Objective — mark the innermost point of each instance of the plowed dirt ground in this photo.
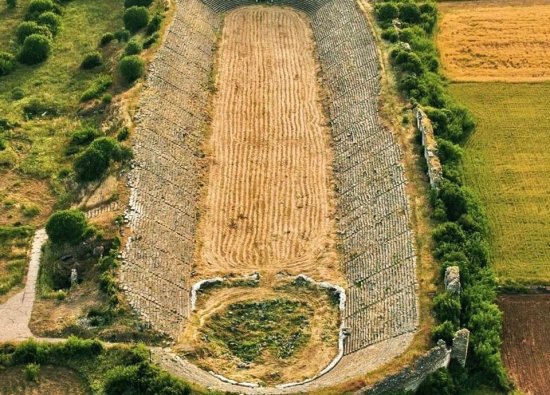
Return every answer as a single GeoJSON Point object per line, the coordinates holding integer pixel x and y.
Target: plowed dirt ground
{"type": "Point", "coordinates": [494, 40]}
{"type": "Point", "coordinates": [269, 205]}
{"type": "Point", "coordinates": [526, 349]}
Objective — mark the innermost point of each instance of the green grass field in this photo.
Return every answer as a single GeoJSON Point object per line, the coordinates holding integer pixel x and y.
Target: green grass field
{"type": "Point", "coordinates": [507, 165]}
{"type": "Point", "coordinates": [33, 150]}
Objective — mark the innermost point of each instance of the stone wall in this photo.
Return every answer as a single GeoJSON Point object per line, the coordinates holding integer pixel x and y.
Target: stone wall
{"type": "Point", "coordinates": [435, 172]}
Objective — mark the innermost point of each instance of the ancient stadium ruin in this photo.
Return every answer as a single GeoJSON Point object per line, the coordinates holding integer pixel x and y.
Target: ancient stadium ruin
{"type": "Point", "coordinates": [170, 248]}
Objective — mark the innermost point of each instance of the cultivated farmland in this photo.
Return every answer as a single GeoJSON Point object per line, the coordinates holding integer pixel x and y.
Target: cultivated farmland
{"type": "Point", "coordinates": [507, 164]}
{"type": "Point", "coordinates": [495, 40]}
{"type": "Point", "coordinates": [526, 348]}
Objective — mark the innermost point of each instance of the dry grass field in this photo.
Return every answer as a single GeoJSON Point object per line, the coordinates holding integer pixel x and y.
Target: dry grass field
{"type": "Point", "coordinates": [493, 40]}
{"type": "Point", "coordinates": [51, 381]}
{"type": "Point", "coordinates": [269, 205]}
{"type": "Point", "coordinates": [507, 164]}
{"type": "Point", "coordinates": [526, 349]}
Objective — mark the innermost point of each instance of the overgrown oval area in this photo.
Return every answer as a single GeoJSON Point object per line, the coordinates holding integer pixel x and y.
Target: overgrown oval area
{"type": "Point", "coordinates": [269, 335]}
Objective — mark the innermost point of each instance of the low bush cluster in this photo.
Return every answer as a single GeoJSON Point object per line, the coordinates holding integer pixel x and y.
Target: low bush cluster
{"type": "Point", "coordinates": [7, 63]}
{"type": "Point", "coordinates": [93, 163]}
{"type": "Point", "coordinates": [91, 60]}
{"type": "Point", "coordinates": [131, 68]}
{"type": "Point", "coordinates": [97, 88]}
{"type": "Point", "coordinates": [461, 237]}
{"type": "Point", "coordinates": [114, 371]}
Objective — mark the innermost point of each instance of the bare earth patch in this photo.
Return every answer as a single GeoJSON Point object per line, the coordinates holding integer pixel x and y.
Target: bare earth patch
{"type": "Point", "coordinates": [526, 349]}
{"type": "Point", "coordinates": [495, 40]}
{"type": "Point", "coordinates": [51, 380]}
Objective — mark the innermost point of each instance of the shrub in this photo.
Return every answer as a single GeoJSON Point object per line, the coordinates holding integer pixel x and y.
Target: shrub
{"type": "Point", "coordinates": [391, 34]}
{"type": "Point", "coordinates": [25, 29]}
{"type": "Point", "coordinates": [135, 18]}
{"type": "Point", "coordinates": [123, 134]}
{"type": "Point", "coordinates": [139, 3]}
{"type": "Point", "coordinates": [36, 49]}
{"type": "Point", "coordinates": [150, 40]}
{"type": "Point", "coordinates": [439, 382]}
{"type": "Point", "coordinates": [133, 48]}
{"type": "Point", "coordinates": [445, 331]}
{"type": "Point", "coordinates": [37, 107]}
{"type": "Point", "coordinates": [7, 63]}
{"type": "Point", "coordinates": [84, 136]}
{"type": "Point", "coordinates": [17, 93]}
{"type": "Point", "coordinates": [106, 145]}
{"type": "Point", "coordinates": [447, 308]}
{"type": "Point", "coordinates": [106, 39]}
{"type": "Point", "coordinates": [154, 24]}
{"type": "Point", "coordinates": [91, 165]}
{"type": "Point", "coordinates": [98, 87]}
{"type": "Point", "coordinates": [51, 21]}
{"type": "Point", "coordinates": [409, 12]}
{"type": "Point", "coordinates": [37, 7]}
{"type": "Point", "coordinates": [387, 12]}
{"type": "Point", "coordinates": [66, 226]}
{"type": "Point", "coordinates": [122, 35]}
{"type": "Point", "coordinates": [107, 98]}
{"type": "Point", "coordinates": [449, 232]}
{"type": "Point", "coordinates": [11, 3]}
{"type": "Point", "coordinates": [91, 60]}
{"type": "Point", "coordinates": [131, 68]}
{"type": "Point", "coordinates": [32, 371]}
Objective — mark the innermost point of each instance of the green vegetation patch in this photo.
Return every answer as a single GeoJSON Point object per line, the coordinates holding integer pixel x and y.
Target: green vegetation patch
{"type": "Point", "coordinates": [507, 165]}
{"type": "Point", "coordinates": [279, 327]}
{"type": "Point", "coordinates": [14, 242]}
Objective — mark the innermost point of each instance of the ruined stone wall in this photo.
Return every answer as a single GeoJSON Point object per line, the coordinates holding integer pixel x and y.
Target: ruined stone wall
{"type": "Point", "coordinates": [165, 178]}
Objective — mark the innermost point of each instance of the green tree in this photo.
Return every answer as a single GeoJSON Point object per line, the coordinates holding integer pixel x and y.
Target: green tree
{"type": "Point", "coordinates": [66, 226]}
{"type": "Point", "coordinates": [91, 165]}
{"type": "Point", "coordinates": [135, 18]}
{"type": "Point", "coordinates": [131, 67]}
{"type": "Point", "coordinates": [36, 49]}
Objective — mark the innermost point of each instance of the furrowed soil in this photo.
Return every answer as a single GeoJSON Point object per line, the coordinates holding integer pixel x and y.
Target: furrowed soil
{"type": "Point", "coordinates": [269, 205]}
{"type": "Point", "coordinates": [507, 165]}
{"type": "Point", "coordinates": [526, 349]}
{"type": "Point", "coordinates": [495, 40]}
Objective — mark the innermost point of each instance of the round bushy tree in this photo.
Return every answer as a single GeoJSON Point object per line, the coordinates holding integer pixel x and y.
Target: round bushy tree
{"type": "Point", "coordinates": [37, 7]}
{"type": "Point", "coordinates": [136, 18]}
{"type": "Point", "coordinates": [387, 12]}
{"type": "Point", "coordinates": [133, 47]}
{"type": "Point", "coordinates": [66, 226]}
{"type": "Point", "coordinates": [91, 165]}
{"type": "Point", "coordinates": [7, 63]}
{"type": "Point", "coordinates": [106, 39]}
{"type": "Point", "coordinates": [36, 49]}
{"type": "Point", "coordinates": [25, 29]}
{"type": "Point", "coordinates": [140, 3]}
{"type": "Point", "coordinates": [131, 67]}
{"type": "Point", "coordinates": [91, 60]}
{"type": "Point", "coordinates": [11, 3]}
{"type": "Point", "coordinates": [51, 21]}
{"type": "Point", "coordinates": [409, 12]}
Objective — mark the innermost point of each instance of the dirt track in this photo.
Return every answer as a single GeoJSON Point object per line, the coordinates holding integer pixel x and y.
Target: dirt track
{"type": "Point", "coordinates": [526, 349]}
{"type": "Point", "coordinates": [269, 205]}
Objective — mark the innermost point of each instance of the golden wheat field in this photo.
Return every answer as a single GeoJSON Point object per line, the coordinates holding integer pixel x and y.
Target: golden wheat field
{"type": "Point", "coordinates": [495, 40]}
{"type": "Point", "coordinates": [507, 164]}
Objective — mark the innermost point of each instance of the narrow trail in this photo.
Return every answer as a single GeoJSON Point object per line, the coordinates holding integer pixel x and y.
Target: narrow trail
{"type": "Point", "coordinates": [15, 313]}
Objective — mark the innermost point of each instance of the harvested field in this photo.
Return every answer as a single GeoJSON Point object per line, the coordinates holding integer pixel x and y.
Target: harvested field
{"type": "Point", "coordinates": [493, 40]}
{"type": "Point", "coordinates": [526, 349]}
{"type": "Point", "coordinates": [507, 164]}
{"type": "Point", "coordinates": [269, 206]}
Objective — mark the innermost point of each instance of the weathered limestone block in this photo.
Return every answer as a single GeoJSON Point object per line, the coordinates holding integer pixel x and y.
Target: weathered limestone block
{"type": "Point", "coordinates": [452, 280]}
{"type": "Point", "coordinates": [460, 346]}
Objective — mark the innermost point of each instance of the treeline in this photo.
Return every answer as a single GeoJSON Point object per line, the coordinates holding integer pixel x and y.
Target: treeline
{"type": "Point", "coordinates": [117, 370]}
{"type": "Point", "coordinates": [460, 238]}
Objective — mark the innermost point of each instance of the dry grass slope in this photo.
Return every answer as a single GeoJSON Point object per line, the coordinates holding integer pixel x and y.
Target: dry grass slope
{"type": "Point", "coordinates": [269, 206]}
{"type": "Point", "coordinates": [507, 164]}
{"type": "Point", "coordinates": [494, 40]}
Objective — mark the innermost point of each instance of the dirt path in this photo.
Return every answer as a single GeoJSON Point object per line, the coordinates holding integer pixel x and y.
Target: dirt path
{"type": "Point", "coordinates": [16, 312]}
{"type": "Point", "coordinates": [269, 205]}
